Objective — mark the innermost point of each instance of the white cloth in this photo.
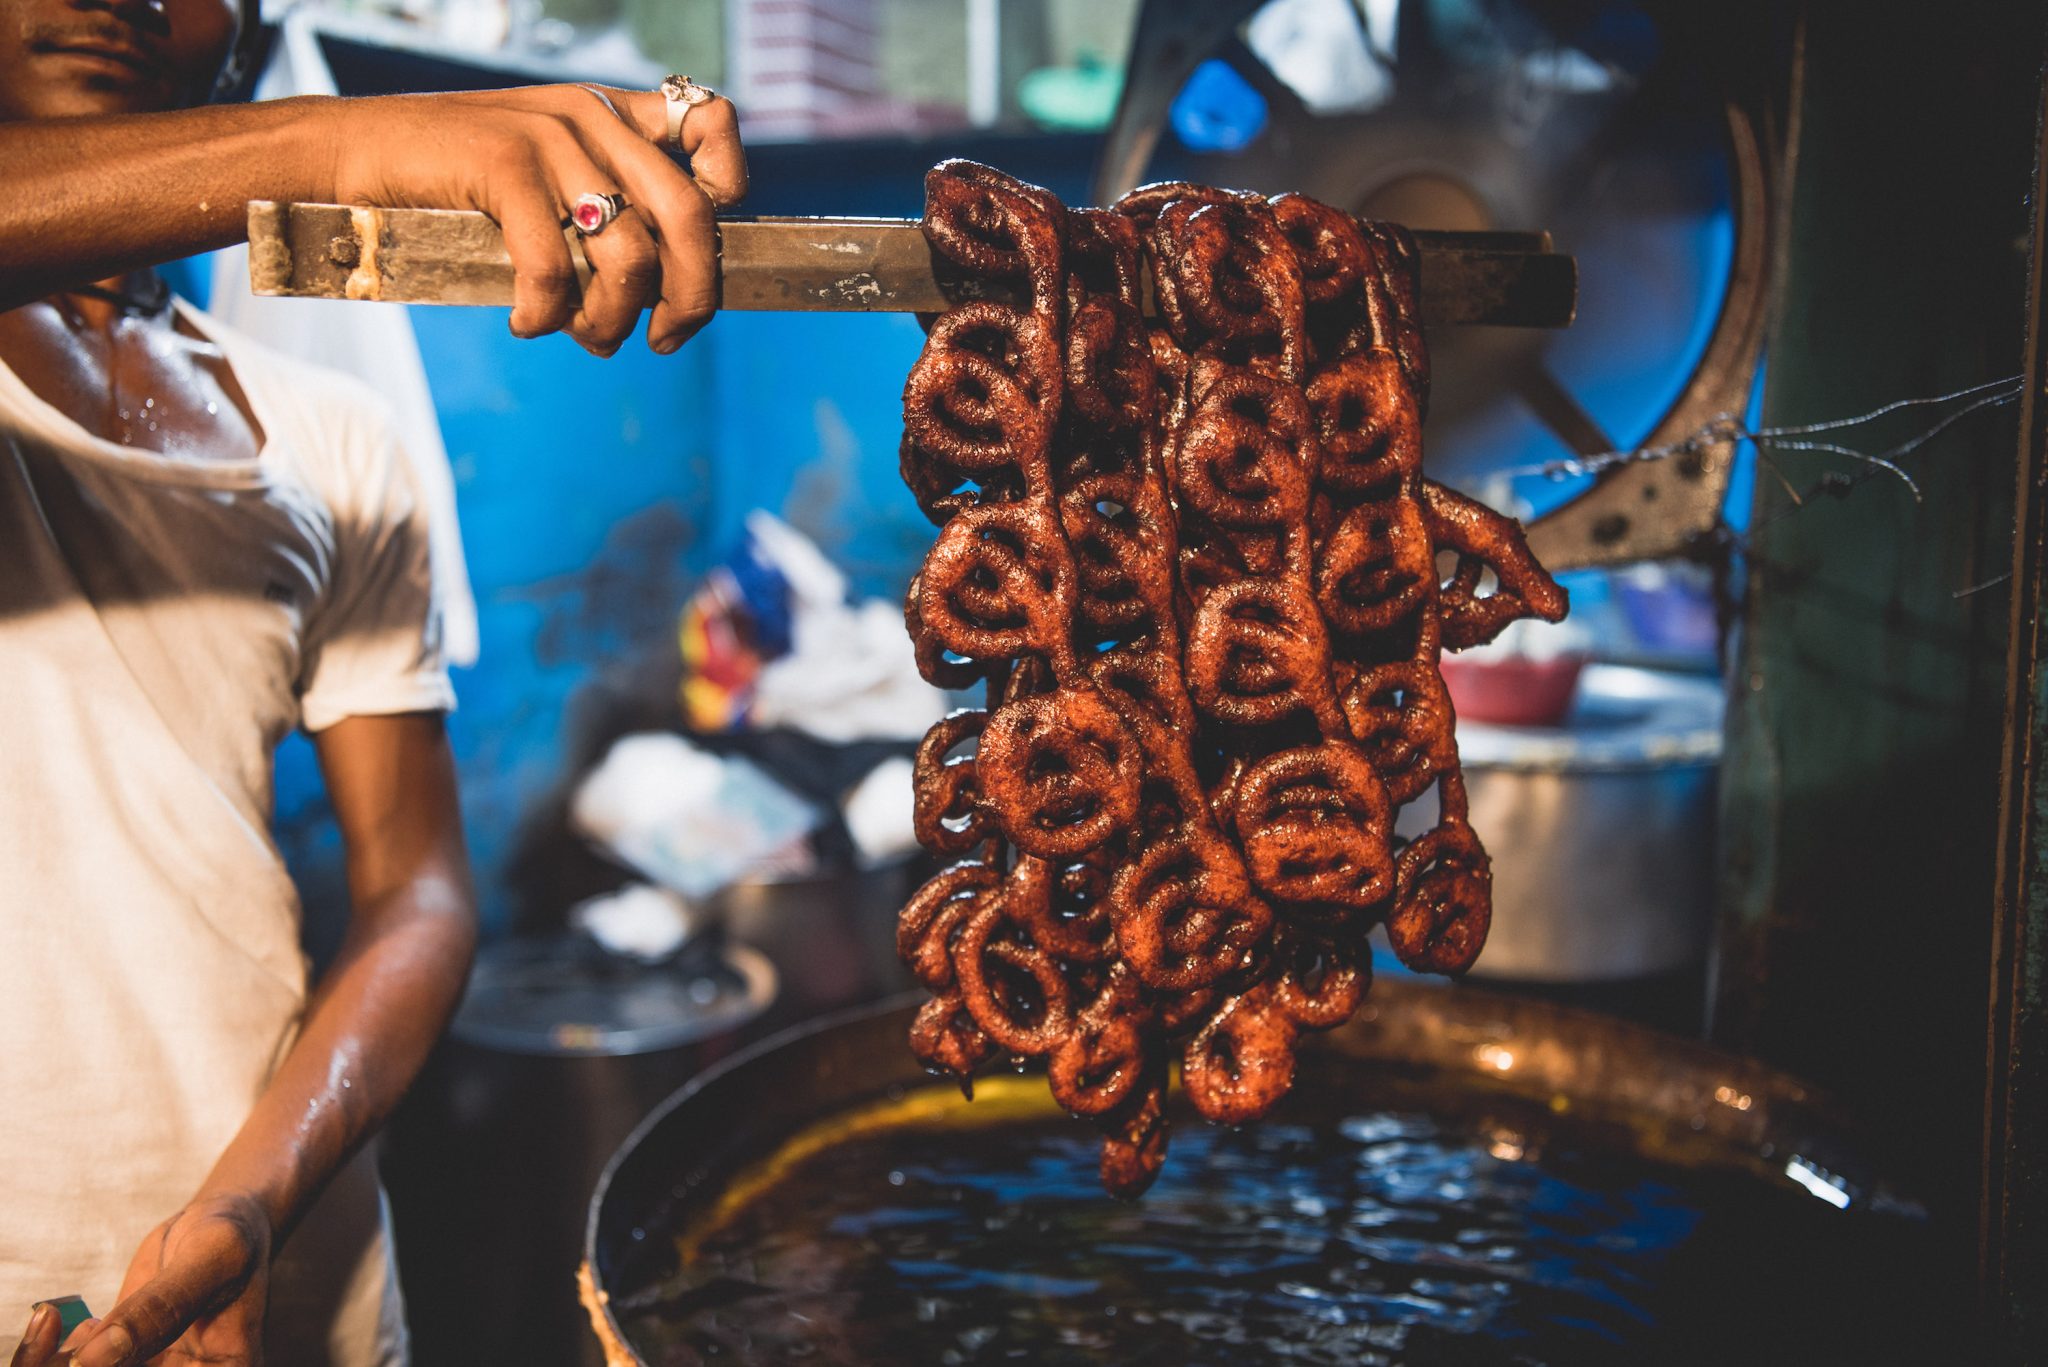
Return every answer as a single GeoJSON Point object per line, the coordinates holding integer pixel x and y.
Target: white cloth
{"type": "Point", "coordinates": [373, 342]}
{"type": "Point", "coordinates": [163, 624]}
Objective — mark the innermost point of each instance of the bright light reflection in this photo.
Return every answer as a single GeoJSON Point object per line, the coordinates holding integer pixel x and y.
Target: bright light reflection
{"type": "Point", "coordinates": [1494, 1056]}
{"type": "Point", "coordinates": [1821, 1185]}
{"type": "Point", "coordinates": [1321, 50]}
{"type": "Point", "coordinates": [1728, 1096]}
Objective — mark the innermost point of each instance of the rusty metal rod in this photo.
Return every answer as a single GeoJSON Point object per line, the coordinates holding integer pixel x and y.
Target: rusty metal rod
{"type": "Point", "coordinates": [846, 265]}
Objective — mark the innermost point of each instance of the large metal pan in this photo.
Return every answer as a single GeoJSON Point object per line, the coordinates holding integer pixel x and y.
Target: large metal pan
{"type": "Point", "coordinates": [1688, 1104]}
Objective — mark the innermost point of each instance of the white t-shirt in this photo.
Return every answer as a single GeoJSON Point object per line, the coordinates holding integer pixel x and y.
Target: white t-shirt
{"type": "Point", "coordinates": [163, 625]}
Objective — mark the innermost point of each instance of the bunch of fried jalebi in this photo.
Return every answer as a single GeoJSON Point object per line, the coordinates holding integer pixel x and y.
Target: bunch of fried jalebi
{"type": "Point", "coordinates": [1195, 564]}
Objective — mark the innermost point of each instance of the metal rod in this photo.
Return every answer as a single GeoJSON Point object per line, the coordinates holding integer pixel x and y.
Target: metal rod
{"type": "Point", "coordinates": [443, 256]}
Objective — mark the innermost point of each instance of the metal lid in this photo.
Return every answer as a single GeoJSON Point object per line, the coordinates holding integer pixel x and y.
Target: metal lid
{"type": "Point", "coordinates": [562, 995]}
{"type": "Point", "coordinates": [1622, 717]}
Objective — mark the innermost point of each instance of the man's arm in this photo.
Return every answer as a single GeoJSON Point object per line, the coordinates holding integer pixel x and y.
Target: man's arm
{"type": "Point", "coordinates": [390, 991]}
{"type": "Point", "coordinates": [368, 1029]}
{"type": "Point", "coordinates": [83, 199]}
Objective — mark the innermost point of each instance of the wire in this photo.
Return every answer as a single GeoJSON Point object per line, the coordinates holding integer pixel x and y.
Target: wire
{"type": "Point", "coordinates": [1725, 429]}
{"type": "Point", "coordinates": [2007, 383]}
{"type": "Point", "coordinates": [1996, 395]}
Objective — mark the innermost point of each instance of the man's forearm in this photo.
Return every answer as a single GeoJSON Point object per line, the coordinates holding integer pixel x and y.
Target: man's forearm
{"type": "Point", "coordinates": [84, 199]}
{"type": "Point", "coordinates": [87, 198]}
{"type": "Point", "coordinates": [368, 1030]}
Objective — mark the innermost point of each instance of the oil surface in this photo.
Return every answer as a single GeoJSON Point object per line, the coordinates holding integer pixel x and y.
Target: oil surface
{"type": "Point", "coordinates": [1331, 1233]}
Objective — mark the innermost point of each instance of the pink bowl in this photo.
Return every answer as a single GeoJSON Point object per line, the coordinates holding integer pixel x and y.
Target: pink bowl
{"type": "Point", "coordinates": [1512, 691]}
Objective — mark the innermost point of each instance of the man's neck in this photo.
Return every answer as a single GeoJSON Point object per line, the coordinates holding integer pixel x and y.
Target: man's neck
{"type": "Point", "coordinates": [138, 294]}
{"type": "Point", "coordinates": [136, 376]}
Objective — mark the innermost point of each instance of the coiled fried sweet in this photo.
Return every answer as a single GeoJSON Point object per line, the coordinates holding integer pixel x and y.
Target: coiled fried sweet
{"type": "Point", "coordinates": [1059, 772]}
{"type": "Point", "coordinates": [1195, 563]}
{"type": "Point", "coordinates": [1317, 826]}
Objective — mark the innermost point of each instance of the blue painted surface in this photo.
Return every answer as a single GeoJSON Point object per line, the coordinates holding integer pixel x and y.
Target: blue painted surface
{"type": "Point", "coordinates": [1217, 110]}
{"type": "Point", "coordinates": [585, 487]}
{"type": "Point", "coordinates": [1672, 267]}
{"type": "Point", "coordinates": [808, 411]}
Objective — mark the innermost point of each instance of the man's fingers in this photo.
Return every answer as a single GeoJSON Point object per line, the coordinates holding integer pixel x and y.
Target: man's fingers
{"type": "Point", "coordinates": [689, 285]}
{"type": "Point", "coordinates": [39, 1341]}
{"type": "Point", "coordinates": [112, 1344]}
{"type": "Point", "coordinates": [137, 1329]}
{"type": "Point", "coordinates": [625, 268]}
{"type": "Point", "coordinates": [670, 206]}
{"type": "Point", "coordinates": [545, 292]}
{"type": "Point", "coordinates": [680, 217]}
{"type": "Point", "coordinates": [710, 138]}
{"type": "Point", "coordinates": [575, 145]}
{"type": "Point", "coordinates": [688, 238]}
{"type": "Point", "coordinates": [621, 254]}
{"type": "Point", "coordinates": [571, 161]}
{"type": "Point", "coordinates": [152, 1318]}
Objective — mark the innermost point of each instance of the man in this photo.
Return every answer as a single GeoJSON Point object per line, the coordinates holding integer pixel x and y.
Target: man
{"type": "Point", "coordinates": [201, 547]}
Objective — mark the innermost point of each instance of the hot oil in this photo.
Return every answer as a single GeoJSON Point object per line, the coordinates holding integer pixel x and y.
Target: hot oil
{"type": "Point", "coordinates": [926, 1230]}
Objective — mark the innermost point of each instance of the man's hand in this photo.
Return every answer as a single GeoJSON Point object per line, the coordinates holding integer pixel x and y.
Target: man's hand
{"type": "Point", "coordinates": [194, 1293]}
{"type": "Point", "coordinates": [524, 157]}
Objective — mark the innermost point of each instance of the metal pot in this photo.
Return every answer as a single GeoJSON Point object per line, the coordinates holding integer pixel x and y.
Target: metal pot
{"type": "Point", "coordinates": [1601, 829]}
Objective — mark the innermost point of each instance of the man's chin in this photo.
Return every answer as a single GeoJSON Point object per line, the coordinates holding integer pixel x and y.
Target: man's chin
{"type": "Point", "coordinates": [73, 84]}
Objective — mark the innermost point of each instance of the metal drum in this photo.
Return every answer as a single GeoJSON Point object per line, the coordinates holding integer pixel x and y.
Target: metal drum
{"type": "Point", "coordinates": [1601, 829]}
{"type": "Point", "coordinates": [558, 1050]}
{"type": "Point", "coordinates": [831, 937]}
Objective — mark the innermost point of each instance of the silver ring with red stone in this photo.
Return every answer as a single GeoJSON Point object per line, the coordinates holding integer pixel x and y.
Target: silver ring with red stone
{"type": "Point", "coordinates": [593, 213]}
